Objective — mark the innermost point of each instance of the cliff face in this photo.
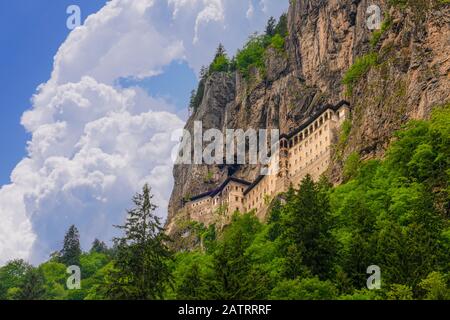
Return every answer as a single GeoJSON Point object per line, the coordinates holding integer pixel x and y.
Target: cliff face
{"type": "Point", "coordinates": [326, 37]}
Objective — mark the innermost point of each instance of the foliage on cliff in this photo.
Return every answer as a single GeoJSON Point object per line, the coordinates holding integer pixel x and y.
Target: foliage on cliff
{"type": "Point", "coordinates": [252, 55]}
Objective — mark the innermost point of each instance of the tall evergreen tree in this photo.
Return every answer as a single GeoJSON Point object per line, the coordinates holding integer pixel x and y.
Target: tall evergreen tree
{"type": "Point", "coordinates": [71, 252]}
{"type": "Point", "coordinates": [282, 26]}
{"type": "Point", "coordinates": [33, 285]}
{"type": "Point", "coordinates": [361, 251]}
{"type": "Point", "coordinates": [270, 27]}
{"type": "Point", "coordinates": [308, 226]}
{"type": "Point", "coordinates": [220, 51]}
{"type": "Point", "coordinates": [192, 101]}
{"type": "Point", "coordinates": [192, 286]}
{"type": "Point", "coordinates": [236, 279]}
{"type": "Point", "coordinates": [141, 266]}
{"type": "Point", "coordinates": [99, 247]}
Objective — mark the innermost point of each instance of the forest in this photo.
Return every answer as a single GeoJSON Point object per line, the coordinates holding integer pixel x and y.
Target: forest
{"type": "Point", "coordinates": [317, 243]}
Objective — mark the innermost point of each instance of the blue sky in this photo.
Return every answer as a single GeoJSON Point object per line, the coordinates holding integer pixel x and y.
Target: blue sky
{"type": "Point", "coordinates": [31, 32]}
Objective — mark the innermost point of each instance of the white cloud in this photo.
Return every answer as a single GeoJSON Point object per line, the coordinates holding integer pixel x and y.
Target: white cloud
{"type": "Point", "coordinates": [90, 151]}
{"type": "Point", "coordinates": [93, 144]}
{"type": "Point", "coordinates": [250, 11]}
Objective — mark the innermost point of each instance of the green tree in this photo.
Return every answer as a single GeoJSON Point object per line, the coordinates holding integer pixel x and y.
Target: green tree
{"type": "Point", "coordinates": [221, 62]}
{"type": "Point", "coordinates": [236, 279]}
{"type": "Point", "coordinates": [308, 224]}
{"type": "Point", "coordinates": [271, 27]}
{"type": "Point", "coordinates": [92, 262]}
{"type": "Point", "coordinates": [360, 250]}
{"type": "Point", "coordinates": [55, 276]}
{"type": "Point", "coordinates": [400, 292]}
{"type": "Point", "coordinates": [33, 285]}
{"type": "Point", "coordinates": [193, 286]}
{"type": "Point", "coordinates": [282, 26]}
{"type": "Point", "coordinates": [252, 55]}
{"type": "Point", "coordinates": [12, 276]}
{"type": "Point", "coordinates": [141, 266]}
{"type": "Point", "coordinates": [99, 247]}
{"type": "Point", "coordinates": [435, 286]}
{"type": "Point", "coordinates": [70, 254]}
{"type": "Point", "coordinates": [305, 289]}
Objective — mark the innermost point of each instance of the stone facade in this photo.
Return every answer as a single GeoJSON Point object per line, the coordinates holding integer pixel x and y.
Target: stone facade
{"type": "Point", "coordinates": [306, 150]}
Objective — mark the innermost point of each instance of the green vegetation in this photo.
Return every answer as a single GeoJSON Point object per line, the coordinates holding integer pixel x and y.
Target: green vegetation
{"type": "Point", "coordinates": [221, 63]}
{"type": "Point", "coordinates": [316, 244]}
{"type": "Point", "coordinates": [359, 69]}
{"type": "Point", "coordinates": [416, 3]}
{"type": "Point", "coordinates": [140, 268]}
{"type": "Point", "coordinates": [208, 177]}
{"type": "Point", "coordinates": [250, 57]}
{"type": "Point", "coordinates": [351, 166]}
{"type": "Point", "coordinates": [344, 135]}
{"type": "Point", "coordinates": [377, 34]}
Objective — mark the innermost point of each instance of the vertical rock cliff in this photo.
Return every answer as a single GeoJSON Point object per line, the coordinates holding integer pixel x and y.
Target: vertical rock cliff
{"type": "Point", "coordinates": [406, 76]}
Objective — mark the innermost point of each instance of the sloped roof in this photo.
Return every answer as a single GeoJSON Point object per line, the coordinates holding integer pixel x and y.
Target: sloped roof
{"type": "Point", "coordinates": [219, 189]}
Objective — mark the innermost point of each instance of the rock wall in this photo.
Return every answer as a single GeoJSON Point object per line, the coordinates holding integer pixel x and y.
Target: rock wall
{"type": "Point", "coordinates": [326, 37]}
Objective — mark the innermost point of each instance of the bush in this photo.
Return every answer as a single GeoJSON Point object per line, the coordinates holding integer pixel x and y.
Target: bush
{"type": "Point", "coordinates": [400, 292]}
{"type": "Point", "coordinates": [277, 42]}
{"type": "Point", "coordinates": [252, 55]}
{"type": "Point", "coordinates": [306, 289]}
{"type": "Point", "coordinates": [376, 35]}
{"type": "Point", "coordinates": [435, 286]}
{"type": "Point", "coordinates": [360, 68]}
{"type": "Point", "coordinates": [351, 166]}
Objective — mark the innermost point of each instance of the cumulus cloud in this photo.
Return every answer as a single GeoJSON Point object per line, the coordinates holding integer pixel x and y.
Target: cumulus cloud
{"type": "Point", "coordinates": [91, 149]}
{"type": "Point", "coordinates": [93, 144]}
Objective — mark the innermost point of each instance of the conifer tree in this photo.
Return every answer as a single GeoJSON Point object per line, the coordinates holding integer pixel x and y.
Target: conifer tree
{"type": "Point", "coordinates": [192, 286]}
{"type": "Point", "coordinates": [308, 226]}
{"type": "Point", "coordinates": [282, 26]}
{"type": "Point", "coordinates": [220, 51]}
{"type": "Point", "coordinates": [99, 247]}
{"type": "Point", "coordinates": [270, 27]}
{"type": "Point", "coordinates": [33, 285]}
{"type": "Point", "coordinates": [141, 269]}
{"type": "Point", "coordinates": [192, 101]}
{"type": "Point", "coordinates": [236, 279]}
{"type": "Point", "coordinates": [70, 254]}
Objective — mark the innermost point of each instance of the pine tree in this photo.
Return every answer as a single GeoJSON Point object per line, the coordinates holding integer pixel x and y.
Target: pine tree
{"type": "Point", "coordinates": [220, 51]}
{"type": "Point", "coordinates": [203, 73]}
{"type": "Point", "coordinates": [282, 26]}
{"type": "Point", "coordinates": [71, 252]}
{"type": "Point", "coordinates": [308, 226]}
{"type": "Point", "coordinates": [360, 253]}
{"type": "Point", "coordinates": [221, 62]}
{"type": "Point", "coordinates": [141, 269]}
{"type": "Point", "coordinates": [270, 28]}
{"type": "Point", "coordinates": [236, 278]}
{"type": "Point", "coordinates": [192, 287]}
{"type": "Point", "coordinates": [99, 247]}
{"type": "Point", "coordinates": [33, 286]}
{"type": "Point", "coordinates": [193, 102]}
